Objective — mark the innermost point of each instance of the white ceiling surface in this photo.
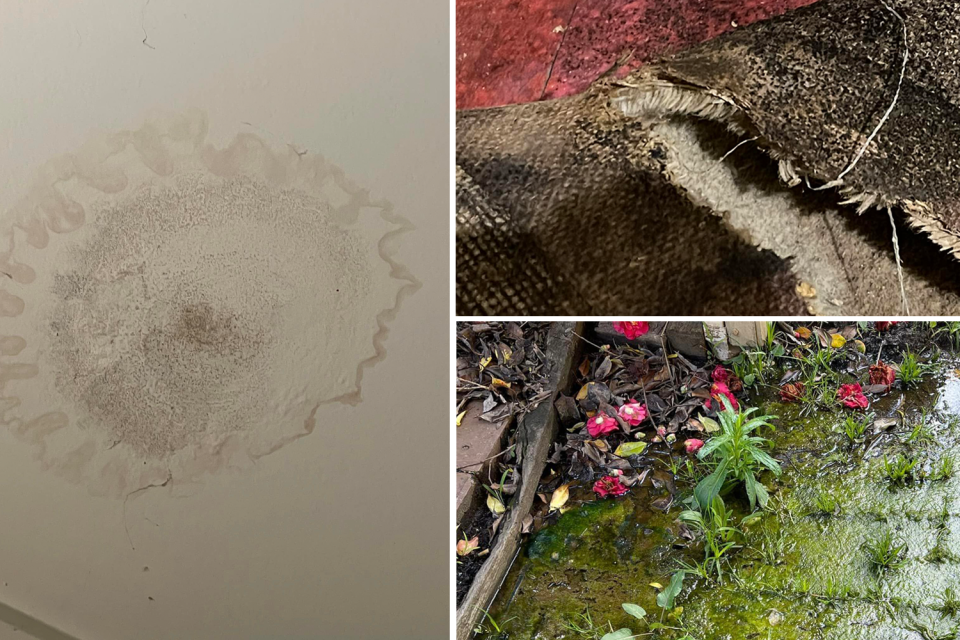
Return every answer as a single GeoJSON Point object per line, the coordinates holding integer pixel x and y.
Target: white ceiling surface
{"type": "Point", "coordinates": [321, 539]}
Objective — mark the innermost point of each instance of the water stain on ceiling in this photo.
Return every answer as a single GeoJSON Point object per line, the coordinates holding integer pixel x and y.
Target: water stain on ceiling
{"type": "Point", "coordinates": [170, 308]}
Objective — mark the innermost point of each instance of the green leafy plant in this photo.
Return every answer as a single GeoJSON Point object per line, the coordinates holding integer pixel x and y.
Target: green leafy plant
{"type": "Point", "coordinates": [666, 598]}
{"type": "Point", "coordinates": [740, 457]}
{"type": "Point", "coordinates": [634, 610]}
{"type": "Point", "coordinates": [886, 553]}
{"type": "Point", "coordinates": [750, 366]}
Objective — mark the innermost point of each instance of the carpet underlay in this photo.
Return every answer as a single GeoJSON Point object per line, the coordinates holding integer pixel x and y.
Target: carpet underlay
{"type": "Point", "coordinates": [694, 186]}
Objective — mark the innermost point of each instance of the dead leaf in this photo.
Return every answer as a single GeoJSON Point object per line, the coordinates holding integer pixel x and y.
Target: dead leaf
{"type": "Point", "coordinates": [885, 423]}
{"type": "Point", "coordinates": [466, 547]}
{"type": "Point", "coordinates": [497, 382]}
{"type": "Point", "coordinates": [526, 524]}
{"type": "Point", "coordinates": [709, 424]}
{"type": "Point", "coordinates": [560, 496]}
{"type": "Point", "coordinates": [604, 369]}
{"type": "Point", "coordinates": [837, 341]}
{"type": "Point", "coordinates": [496, 507]}
{"type": "Point", "coordinates": [628, 449]}
{"type": "Point", "coordinates": [600, 444]}
{"type": "Point", "coordinates": [460, 417]}
{"type": "Point", "coordinates": [656, 585]}
{"type": "Point", "coordinates": [485, 361]}
{"type": "Point", "coordinates": [584, 368]}
{"type": "Point", "coordinates": [806, 290]}
{"type": "Point", "coordinates": [803, 332]}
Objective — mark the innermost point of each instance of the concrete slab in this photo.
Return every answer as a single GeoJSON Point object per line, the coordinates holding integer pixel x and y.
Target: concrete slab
{"type": "Point", "coordinates": [686, 337]}
{"type": "Point", "coordinates": [478, 441]}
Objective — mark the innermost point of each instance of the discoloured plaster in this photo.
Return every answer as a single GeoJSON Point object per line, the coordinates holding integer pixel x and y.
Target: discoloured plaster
{"type": "Point", "coordinates": [174, 309]}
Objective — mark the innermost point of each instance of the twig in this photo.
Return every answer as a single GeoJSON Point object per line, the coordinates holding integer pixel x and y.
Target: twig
{"type": "Point", "coordinates": [595, 346]}
{"type": "Point", "coordinates": [507, 450]}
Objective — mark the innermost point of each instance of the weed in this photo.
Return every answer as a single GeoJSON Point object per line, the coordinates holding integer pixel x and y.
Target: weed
{"type": "Point", "coordinates": [836, 590]}
{"type": "Point", "coordinates": [719, 537]}
{"type": "Point", "coordinates": [584, 626]}
{"type": "Point", "coordinates": [740, 456]}
{"type": "Point", "coordinates": [497, 627]}
{"type": "Point", "coordinates": [885, 553]}
{"type": "Point", "coordinates": [921, 434]}
{"type": "Point", "coordinates": [952, 330]}
{"type": "Point", "coordinates": [943, 469]}
{"type": "Point", "coordinates": [827, 505]}
{"type": "Point", "coordinates": [750, 366]}
{"type": "Point", "coordinates": [911, 371]}
{"type": "Point", "coordinates": [939, 554]}
{"type": "Point", "coordinates": [772, 547]}
{"type": "Point", "coordinates": [855, 427]}
{"type": "Point", "coordinates": [900, 469]}
{"type": "Point", "coordinates": [949, 603]}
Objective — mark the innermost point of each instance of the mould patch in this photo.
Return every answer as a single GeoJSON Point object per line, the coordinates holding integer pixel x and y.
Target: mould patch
{"type": "Point", "coordinates": [172, 308]}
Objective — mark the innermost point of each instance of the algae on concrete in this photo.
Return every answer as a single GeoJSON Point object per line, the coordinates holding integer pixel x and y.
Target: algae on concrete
{"type": "Point", "coordinates": [804, 572]}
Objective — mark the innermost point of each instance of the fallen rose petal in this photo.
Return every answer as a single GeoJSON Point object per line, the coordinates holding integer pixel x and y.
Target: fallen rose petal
{"type": "Point", "coordinates": [601, 424]}
{"type": "Point", "coordinates": [882, 374]}
{"type": "Point", "coordinates": [631, 330]}
{"type": "Point", "coordinates": [851, 395]}
{"type": "Point", "coordinates": [609, 486]}
{"type": "Point", "coordinates": [693, 445]}
{"type": "Point", "coordinates": [633, 413]}
{"type": "Point", "coordinates": [466, 547]}
{"type": "Point", "coordinates": [720, 374]}
{"type": "Point", "coordinates": [792, 391]}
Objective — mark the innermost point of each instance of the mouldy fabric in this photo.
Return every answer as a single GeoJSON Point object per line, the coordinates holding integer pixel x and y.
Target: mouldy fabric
{"type": "Point", "coordinates": [693, 186]}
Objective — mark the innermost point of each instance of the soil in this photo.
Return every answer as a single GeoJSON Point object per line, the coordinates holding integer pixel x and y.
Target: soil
{"type": "Point", "coordinates": [480, 525]}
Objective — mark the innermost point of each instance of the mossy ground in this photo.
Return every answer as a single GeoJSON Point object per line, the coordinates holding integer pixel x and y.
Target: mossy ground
{"type": "Point", "coordinates": [802, 574]}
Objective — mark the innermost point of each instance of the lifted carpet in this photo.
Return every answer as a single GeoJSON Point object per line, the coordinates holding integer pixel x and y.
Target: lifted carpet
{"type": "Point", "coordinates": [626, 199]}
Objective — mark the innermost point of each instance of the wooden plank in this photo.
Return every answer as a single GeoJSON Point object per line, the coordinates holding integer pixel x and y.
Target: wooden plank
{"type": "Point", "coordinates": [540, 430]}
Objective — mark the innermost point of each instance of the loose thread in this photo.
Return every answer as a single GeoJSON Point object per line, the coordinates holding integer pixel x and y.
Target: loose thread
{"type": "Point", "coordinates": [886, 116]}
{"type": "Point", "coordinates": [896, 254]}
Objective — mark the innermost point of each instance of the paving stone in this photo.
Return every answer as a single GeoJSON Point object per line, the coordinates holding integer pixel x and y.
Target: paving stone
{"type": "Point", "coordinates": [477, 442]}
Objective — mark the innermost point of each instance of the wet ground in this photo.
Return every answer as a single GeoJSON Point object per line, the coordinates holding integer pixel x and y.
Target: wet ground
{"type": "Point", "coordinates": [804, 570]}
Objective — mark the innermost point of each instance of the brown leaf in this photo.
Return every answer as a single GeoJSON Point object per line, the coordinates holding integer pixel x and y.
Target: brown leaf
{"type": "Point", "coordinates": [604, 369]}
{"type": "Point", "coordinates": [560, 496]}
{"type": "Point", "coordinates": [584, 368]}
{"type": "Point", "coordinates": [806, 290]}
{"type": "Point", "coordinates": [526, 524]}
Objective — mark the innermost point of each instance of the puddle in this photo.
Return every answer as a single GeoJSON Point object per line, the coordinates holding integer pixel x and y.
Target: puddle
{"type": "Point", "coordinates": [802, 574]}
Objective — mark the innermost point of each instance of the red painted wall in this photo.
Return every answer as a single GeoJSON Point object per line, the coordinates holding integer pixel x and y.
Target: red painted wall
{"type": "Point", "coordinates": [511, 51]}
